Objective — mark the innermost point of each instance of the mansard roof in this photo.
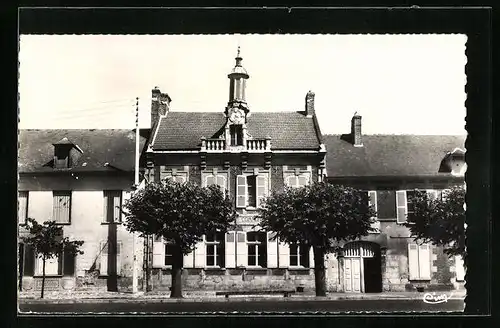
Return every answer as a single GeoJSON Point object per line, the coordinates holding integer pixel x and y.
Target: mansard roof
{"type": "Point", "coordinates": [101, 149]}
{"type": "Point", "coordinates": [287, 130]}
{"type": "Point", "coordinates": [390, 155]}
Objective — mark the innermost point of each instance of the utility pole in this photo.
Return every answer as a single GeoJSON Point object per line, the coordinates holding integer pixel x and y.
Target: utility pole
{"type": "Point", "coordinates": [136, 182]}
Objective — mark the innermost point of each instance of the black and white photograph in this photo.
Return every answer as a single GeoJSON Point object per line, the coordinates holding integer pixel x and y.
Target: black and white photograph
{"type": "Point", "coordinates": [242, 172]}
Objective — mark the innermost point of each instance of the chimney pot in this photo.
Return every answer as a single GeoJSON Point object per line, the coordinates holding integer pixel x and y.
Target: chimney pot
{"type": "Point", "coordinates": [160, 104]}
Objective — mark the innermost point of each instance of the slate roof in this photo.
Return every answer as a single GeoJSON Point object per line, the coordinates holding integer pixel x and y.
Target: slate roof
{"type": "Point", "coordinates": [389, 155]}
{"type": "Point", "coordinates": [99, 146]}
{"type": "Point", "coordinates": [287, 130]}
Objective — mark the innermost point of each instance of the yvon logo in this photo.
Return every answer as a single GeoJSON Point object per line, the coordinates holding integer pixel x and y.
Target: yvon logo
{"type": "Point", "coordinates": [436, 299]}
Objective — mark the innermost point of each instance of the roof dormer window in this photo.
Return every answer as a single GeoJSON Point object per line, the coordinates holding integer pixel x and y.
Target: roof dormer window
{"type": "Point", "coordinates": [236, 135]}
{"type": "Point", "coordinates": [61, 157]}
{"type": "Point", "coordinates": [65, 153]}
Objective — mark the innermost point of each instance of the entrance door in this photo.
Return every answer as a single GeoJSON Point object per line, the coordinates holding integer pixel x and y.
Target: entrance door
{"type": "Point", "coordinates": [352, 274]}
{"type": "Point", "coordinates": [372, 274]}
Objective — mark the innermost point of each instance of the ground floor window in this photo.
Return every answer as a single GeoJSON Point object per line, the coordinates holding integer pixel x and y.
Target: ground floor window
{"type": "Point", "coordinates": [299, 255]}
{"type": "Point", "coordinates": [31, 264]}
{"type": "Point", "coordinates": [256, 247]}
{"type": "Point", "coordinates": [215, 254]}
{"type": "Point", "coordinates": [419, 261]}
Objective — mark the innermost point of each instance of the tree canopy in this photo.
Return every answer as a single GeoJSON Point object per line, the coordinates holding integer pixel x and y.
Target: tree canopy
{"type": "Point", "coordinates": [441, 220]}
{"type": "Point", "coordinates": [180, 212]}
{"type": "Point", "coordinates": [319, 214]}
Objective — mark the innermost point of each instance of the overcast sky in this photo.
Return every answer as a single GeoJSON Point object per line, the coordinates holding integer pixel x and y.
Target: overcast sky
{"type": "Point", "coordinates": [410, 84]}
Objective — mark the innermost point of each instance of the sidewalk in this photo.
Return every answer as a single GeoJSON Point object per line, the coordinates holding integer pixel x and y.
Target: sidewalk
{"type": "Point", "coordinates": [201, 296]}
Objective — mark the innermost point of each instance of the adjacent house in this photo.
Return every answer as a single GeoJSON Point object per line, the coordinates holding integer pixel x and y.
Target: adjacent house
{"type": "Point", "coordinates": [80, 179]}
{"type": "Point", "coordinates": [391, 168]}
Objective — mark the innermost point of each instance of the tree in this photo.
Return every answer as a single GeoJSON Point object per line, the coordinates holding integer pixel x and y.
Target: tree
{"type": "Point", "coordinates": [48, 242]}
{"type": "Point", "coordinates": [320, 216]}
{"type": "Point", "coordinates": [181, 213]}
{"type": "Point", "coordinates": [441, 220]}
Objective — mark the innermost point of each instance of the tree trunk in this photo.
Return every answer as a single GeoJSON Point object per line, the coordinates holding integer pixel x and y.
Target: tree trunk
{"type": "Point", "coordinates": [43, 275]}
{"type": "Point", "coordinates": [176, 288]}
{"type": "Point", "coordinates": [319, 271]}
{"type": "Point", "coordinates": [149, 265]}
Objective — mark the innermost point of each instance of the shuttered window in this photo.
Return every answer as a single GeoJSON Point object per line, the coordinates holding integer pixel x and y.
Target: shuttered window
{"type": "Point", "coordinates": [112, 206]}
{"type": "Point", "coordinates": [386, 204]}
{"type": "Point", "coordinates": [23, 206]}
{"type": "Point", "coordinates": [241, 191]}
{"type": "Point", "coordinates": [215, 254]}
{"type": "Point", "coordinates": [299, 255]}
{"type": "Point", "coordinates": [251, 190]}
{"type": "Point", "coordinates": [256, 249]}
{"type": "Point", "coordinates": [29, 261]}
{"type": "Point", "coordinates": [419, 261]}
{"type": "Point", "coordinates": [62, 206]}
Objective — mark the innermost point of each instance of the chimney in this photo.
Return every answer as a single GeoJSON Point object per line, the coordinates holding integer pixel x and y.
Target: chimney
{"type": "Point", "coordinates": [356, 130]}
{"type": "Point", "coordinates": [160, 104]}
{"type": "Point", "coordinates": [310, 104]}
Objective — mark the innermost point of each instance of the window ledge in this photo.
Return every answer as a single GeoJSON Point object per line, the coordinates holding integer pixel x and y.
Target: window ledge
{"type": "Point", "coordinates": [63, 223]}
{"type": "Point", "coordinates": [255, 269]}
{"type": "Point", "coordinates": [48, 276]}
{"type": "Point", "coordinates": [298, 268]}
{"type": "Point", "coordinates": [108, 223]}
{"type": "Point", "coordinates": [214, 269]}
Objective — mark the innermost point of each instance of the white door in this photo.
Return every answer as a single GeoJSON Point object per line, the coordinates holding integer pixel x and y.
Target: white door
{"type": "Point", "coordinates": [352, 274]}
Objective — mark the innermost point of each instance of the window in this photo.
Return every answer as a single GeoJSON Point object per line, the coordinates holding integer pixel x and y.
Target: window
{"type": "Point", "coordinates": [28, 260]}
{"type": "Point", "coordinates": [62, 206]}
{"type": "Point", "coordinates": [52, 267]}
{"type": "Point", "coordinates": [410, 204]}
{"type": "Point", "coordinates": [299, 255]}
{"type": "Point", "coordinates": [297, 181]}
{"type": "Point", "coordinates": [215, 179]}
{"type": "Point", "coordinates": [236, 135]}
{"type": "Point", "coordinates": [372, 201]}
{"type": "Point", "coordinates": [169, 255]}
{"type": "Point", "coordinates": [61, 157]}
{"type": "Point", "coordinates": [256, 248]}
{"type": "Point", "coordinates": [419, 261]}
{"type": "Point", "coordinates": [215, 255]}
{"type": "Point", "coordinates": [250, 190]}
{"type": "Point", "coordinates": [459, 268]}
{"type": "Point", "coordinates": [386, 204]}
{"type": "Point", "coordinates": [112, 206]}
{"type": "Point", "coordinates": [23, 206]}
{"type": "Point", "coordinates": [177, 174]}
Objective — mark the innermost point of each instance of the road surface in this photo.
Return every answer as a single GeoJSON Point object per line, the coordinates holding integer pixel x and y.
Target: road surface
{"type": "Point", "coordinates": [393, 305]}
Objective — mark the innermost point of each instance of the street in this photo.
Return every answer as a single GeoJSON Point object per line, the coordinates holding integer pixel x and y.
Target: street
{"type": "Point", "coordinates": [342, 306]}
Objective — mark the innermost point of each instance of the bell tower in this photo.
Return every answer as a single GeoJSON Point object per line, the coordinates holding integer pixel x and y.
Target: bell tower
{"type": "Point", "coordinates": [237, 85]}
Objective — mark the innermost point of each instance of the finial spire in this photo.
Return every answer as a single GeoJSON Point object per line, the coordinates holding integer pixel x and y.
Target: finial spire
{"type": "Point", "coordinates": [238, 51]}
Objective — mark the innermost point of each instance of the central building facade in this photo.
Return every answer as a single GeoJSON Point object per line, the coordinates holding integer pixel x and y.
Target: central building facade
{"type": "Point", "coordinates": [248, 154]}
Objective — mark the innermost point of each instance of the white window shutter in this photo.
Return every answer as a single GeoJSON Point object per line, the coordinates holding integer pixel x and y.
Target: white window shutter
{"type": "Point", "coordinates": [188, 260]}
{"type": "Point", "coordinates": [272, 251]}
{"type": "Point", "coordinates": [241, 191]}
{"type": "Point", "coordinates": [241, 249]}
{"type": "Point", "coordinates": [283, 255]}
{"type": "Point", "coordinates": [303, 180]}
{"type": "Point", "coordinates": [424, 261]}
{"type": "Point", "coordinates": [118, 258]}
{"type": "Point", "coordinates": [221, 182]}
{"type": "Point", "coordinates": [311, 257]}
{"type": "Point", "coordinates": [401, 206]}
{"type": "Point", "coordinates": [230, 249]}
{"type": "Point", "coordinates": [158, 253]}
{"type": "Point", "coordinates": [261, 188]}
{"type": "Point", "coordinates": [103, 270]}
{"type": "Point", "coordinates": [459, 268]}
{"type": "Point", "coordinates": [117, 206]}
{"type": "Point", "coordinates": [413, 261]}
{"type": "Point", "coordinates": [199, 254]}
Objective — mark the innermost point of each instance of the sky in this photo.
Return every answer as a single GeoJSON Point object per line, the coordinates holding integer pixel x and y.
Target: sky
{"type": "Point", "coordinates": [400, 84]}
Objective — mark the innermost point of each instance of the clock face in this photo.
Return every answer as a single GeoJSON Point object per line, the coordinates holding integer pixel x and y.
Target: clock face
{"type": "Point", "coordinates": [236, 116]}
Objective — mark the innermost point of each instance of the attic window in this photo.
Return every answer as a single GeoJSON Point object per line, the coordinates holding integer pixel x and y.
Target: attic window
{"type": "Point", "coordinates": [61, 156]}
{"type": "Point", "coordinates": [236, 135]}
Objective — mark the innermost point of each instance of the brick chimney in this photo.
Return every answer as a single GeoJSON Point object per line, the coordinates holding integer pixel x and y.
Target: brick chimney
{"type": "Point", "coordinates": [310, 104]}
{"type": "Point", "coordinates": [357, 139]}
{"type": "Point", "coordinates": [160, 104]}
